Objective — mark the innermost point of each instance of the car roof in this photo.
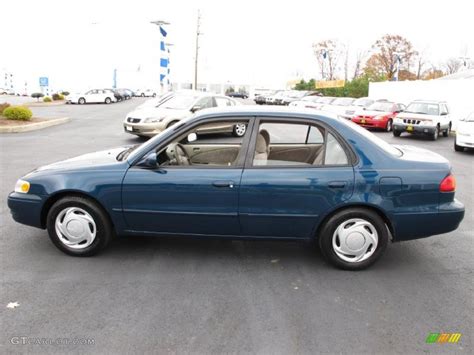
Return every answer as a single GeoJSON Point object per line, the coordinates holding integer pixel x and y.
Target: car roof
{"type": "Point", "coordinates": [430, 101]}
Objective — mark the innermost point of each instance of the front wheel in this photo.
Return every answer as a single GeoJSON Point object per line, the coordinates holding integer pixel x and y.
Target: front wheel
{"type": "Point", "coordinates": [457, 148]}
{"type": "Point", "coordinates": [78, 227]}
{"type": "Point", "coordinates": [434, 136]}
{"type": "Point", "coordinates": [353, 239]}
{"type": "Point", "coordinates": [108, 100]}
{"type": "Point", "coordinates": [389, 126]}
{"type": "Point", "coordinates": [81, 101]}
{"type": "Point", "coordinates": [239, 129]}
{"type": "Point", "coordinates": [396, 133]}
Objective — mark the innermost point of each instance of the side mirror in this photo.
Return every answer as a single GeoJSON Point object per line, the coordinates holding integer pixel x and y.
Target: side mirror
{"type": "Point", "coordinates": [192, 137]}
{"type": "Point", "coordinates": [444, 113]}
{"type": "Point", "coordinates": [196, 108]}
{"type": "Point", "coordinates": [149, 161]}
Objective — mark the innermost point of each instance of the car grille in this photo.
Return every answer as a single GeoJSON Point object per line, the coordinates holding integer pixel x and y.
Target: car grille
{"type": "Point", "coordinates": [411, 121]}
{"type": "Point", "coordinates": [133, 120]}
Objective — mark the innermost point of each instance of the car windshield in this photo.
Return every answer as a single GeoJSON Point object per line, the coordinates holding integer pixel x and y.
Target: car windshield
{"type": "Point", "coordinates": [373, 138]}
{"type": "Point", "coordinates": [343, 101]}
{"type": "Point", "coordinates": [311, 98]}
{"type": "Point", "coordinates": [179, 102]}
{"type": "Point", "coordinates": [470, 117]}
{"type": "Point", "coordinates": [423, 108]}
{"type": "Point", "coordinates": [363, 102]}
{"type": "Point", "coordinates": [381, 106]}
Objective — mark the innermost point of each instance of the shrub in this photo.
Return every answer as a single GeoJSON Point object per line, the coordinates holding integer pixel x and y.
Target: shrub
{"type": "Point", "coordinates": [37, 95]}
{"type": "Point", "coordinates": [3, 107]}
{"type": "Point", "coordinates": [47, 99]}
{"type": "Point", "coordinates": [65, 93]}
{"type": "Point", "coordinates": [55, 97]}
{"type": "Point", "coordinates": [19, 113]}
{"type": "Point", "coordinates": [61, 97]}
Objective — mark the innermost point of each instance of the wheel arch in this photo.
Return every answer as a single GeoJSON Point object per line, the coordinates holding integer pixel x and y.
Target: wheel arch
{"type": "Point", "coordinates": [381, 213]}
{"type": "Point", "coordinates": [70, 193]}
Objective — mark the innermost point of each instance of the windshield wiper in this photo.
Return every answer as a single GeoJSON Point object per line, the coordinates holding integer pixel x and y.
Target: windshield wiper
{"type": "Point", "coordinates": [125, 153]}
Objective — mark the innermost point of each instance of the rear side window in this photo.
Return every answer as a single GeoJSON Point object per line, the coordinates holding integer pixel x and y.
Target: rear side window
{"type": "Point", "coordinates": [335, 154]}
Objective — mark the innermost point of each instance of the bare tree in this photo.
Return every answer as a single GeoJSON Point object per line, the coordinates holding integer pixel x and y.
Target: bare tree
{"type": "Point", "coordinates": [452, 66]}
{"type": "Point", "coordinates": [327, 55]}
{"type": "Point", "coordinates": [360, 56]}
{"type": "Point", "coordinates": [420, 62]}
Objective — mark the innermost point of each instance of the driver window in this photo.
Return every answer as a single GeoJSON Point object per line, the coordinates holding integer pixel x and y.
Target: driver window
{"type": "Point", "coordinates": [206, 102]}
{"type": "Point", "coordinates": [207, 145]}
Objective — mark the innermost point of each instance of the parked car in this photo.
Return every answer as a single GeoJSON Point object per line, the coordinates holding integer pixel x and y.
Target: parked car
{"type": "Point", "coordinates": [275, 99]}
{"type": "Point", "coordinates": [307, 102]}
{"type": "Point", "coordinates": [92, 96]}
{"type": "Point", "coordinates": [323, 101]}
{"type": "Point", "coordinates": [324, 179]}
{"type": "Point", "coordinates": [240, 95]}
{"type": "Point", "coordinates": [125, 93]}
{"type": "Point", "coordinates": [339, 105]}
{"type": "Point", "coordinates": [261, 99]}
{"type": "Point", "coordinates": [358, 104]}
{"type": "Point", "coordinates": [3, 91]}
{"type": "Point", "coordinates": [465, 133]}
{"type": "Point", "coordinates": [119, 95]}
{"type": "Point", "coordinates": [151, 121]}
{"type": "Point", "coordinates": [294, 95]}
{"type": "Point", "coordinates": [424, 117]}
{"type": "Point", "coordinates": [145, 93]}
{"type": "Point", "coordinates": [379, 115]}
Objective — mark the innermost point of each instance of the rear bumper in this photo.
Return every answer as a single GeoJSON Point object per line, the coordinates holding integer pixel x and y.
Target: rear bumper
{"type": "Point", "coordinates": [409, 226]}
{"type": "Point", "coordinates": [26, 208]}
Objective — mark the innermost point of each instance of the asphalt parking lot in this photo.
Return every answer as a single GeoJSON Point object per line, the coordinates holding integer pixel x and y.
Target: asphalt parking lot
{"type": "Point", "coordinates": [166, 295]}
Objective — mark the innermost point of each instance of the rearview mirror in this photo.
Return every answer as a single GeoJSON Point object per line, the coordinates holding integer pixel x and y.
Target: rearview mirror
{"type": "Point", "coordinates": [196, 108]}
{"type": "Point", "coordinates": [192, 137]}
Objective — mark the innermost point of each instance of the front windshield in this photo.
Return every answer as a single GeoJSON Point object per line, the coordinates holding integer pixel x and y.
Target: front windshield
{"type": "Point", "coordinates": [381, 106]}
{"type": "Point", "coordinates": [343, 101]}
{"type": "Point", "coordinates": [363, 102]}
{"type": "Point", "coordinates": [373, 138]}
{"type": "Point", "coordinates": [470, 117]}
{"type": "Point", "coordinates": [179, 102]}
{"type": "Point", "coordinates": [423, 108]}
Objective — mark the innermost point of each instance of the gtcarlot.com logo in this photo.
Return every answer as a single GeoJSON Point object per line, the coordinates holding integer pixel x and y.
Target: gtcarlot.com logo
{"type": "Point", "coordinates": [22, 340]}
{"type": "Point", "coordinates": [443, 338]}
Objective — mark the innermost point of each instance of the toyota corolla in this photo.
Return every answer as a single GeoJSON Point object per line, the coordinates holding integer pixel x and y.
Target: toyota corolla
{"type": "Point", "coordinates": [292, 176]}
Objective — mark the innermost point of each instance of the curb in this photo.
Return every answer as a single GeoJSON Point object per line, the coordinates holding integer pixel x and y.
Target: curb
{"type": "Point", "coordinates": [34, 126]}
{"type": "Point", "coordinates": [44, 104]}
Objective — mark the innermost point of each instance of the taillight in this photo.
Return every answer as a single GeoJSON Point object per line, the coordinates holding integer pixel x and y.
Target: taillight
{"type": "Point", "coordinates": [448, 184]}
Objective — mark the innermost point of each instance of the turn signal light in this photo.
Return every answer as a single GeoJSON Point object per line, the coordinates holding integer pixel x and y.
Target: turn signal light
{"type": "Point", "coordinates": [448, 184]}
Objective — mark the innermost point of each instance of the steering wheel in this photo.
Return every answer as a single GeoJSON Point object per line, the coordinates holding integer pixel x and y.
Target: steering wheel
{"type": "Point", "coordinates": [182, 158]}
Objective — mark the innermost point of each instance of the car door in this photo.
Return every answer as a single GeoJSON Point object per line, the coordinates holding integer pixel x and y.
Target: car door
{"type": "Point", "coordinates": [287, 196]}
{"type": "Point", "coordinates": [199, 199]}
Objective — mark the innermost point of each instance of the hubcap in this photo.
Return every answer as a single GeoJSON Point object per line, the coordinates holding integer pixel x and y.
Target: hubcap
{"type": "Point", "coordinates": [75, 228]}
{"type": "Point", "coordinates": [355, 240]}
{"type": "Point", "coordinates": [240, 129]}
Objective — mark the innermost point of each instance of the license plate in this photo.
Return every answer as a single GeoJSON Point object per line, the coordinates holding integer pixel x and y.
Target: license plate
{"type": "Point", "coordinates": [409, 128]}
{"type": "Point", "coordinates": [128, 128]}
{"type": "Point", "coordinates": [362, 121]}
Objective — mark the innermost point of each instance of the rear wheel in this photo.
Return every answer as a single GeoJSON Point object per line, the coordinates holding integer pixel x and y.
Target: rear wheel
{"type": "Point", "coordinates": [78, 226]}
{"type": "Point", "coordinates": [448, 130]}
{"type": "Point", "coordinates": [353, 239]}
{"type": "Point", "coordinates": [108, 100]}
{"type": "Point", "coordinates": [81, 101]}
{"type": "Point", "coordinates": [396, 133]}
{"type": "Point", "coordinates": [239, 129]}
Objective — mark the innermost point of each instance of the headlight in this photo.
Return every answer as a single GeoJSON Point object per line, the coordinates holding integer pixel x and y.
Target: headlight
{"type": "Point", "coordinates": [379, 117]}
{"type": "Point", "coordinates": [154, 119]}
{"type": "Point", "coordinates": [22, 186]}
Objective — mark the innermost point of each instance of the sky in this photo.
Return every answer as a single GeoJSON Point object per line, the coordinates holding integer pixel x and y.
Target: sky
{"type": "Point", "coordinates": [78, 43]}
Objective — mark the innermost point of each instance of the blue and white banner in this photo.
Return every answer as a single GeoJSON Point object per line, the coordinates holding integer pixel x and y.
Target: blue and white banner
{"type": "Point", "coordinates": [164, 57]}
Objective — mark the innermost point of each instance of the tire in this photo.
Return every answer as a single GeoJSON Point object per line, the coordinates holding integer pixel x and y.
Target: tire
{"type": "Point", "coordinates": [396, 133]}
{"type": "Point", "coordinates": [108, 100]}
{"type": "Point", "coordinates": [239, 130]}
{"type": "Point", "coordinates": [434, 136]}
{"type": "Point", "coordinates": [458, 148]}
{"type": "Point", "coordinates": [389, 126]}
{"type": "Point", "coordinates": [369, 228]}
{"type": "Point", "coordinates": [143, 95]}
{"type": "Point", "coordinates": [154, 95]}
{"type": "Point", "coordinates": [82, 211]}
{"type": "Point", "coordinates": [448, 130]}
{"type": "Point", "coordinates": [172, 123]}
{"type": "Point", "coordinates": [81, 101]}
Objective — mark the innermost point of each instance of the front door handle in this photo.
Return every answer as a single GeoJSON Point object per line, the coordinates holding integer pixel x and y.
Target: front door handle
{"type": "Point", "coordinates": [223, 183]}
{"type": "Point", "coordinates": [337, 184]}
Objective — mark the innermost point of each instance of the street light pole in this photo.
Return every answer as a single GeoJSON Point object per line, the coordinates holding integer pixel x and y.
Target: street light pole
{"type": "Point", "coordinates": [198, 33]}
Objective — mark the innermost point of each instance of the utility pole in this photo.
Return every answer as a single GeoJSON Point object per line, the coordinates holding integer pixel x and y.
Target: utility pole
{"type": "Point", "coordinates": [198, 33]}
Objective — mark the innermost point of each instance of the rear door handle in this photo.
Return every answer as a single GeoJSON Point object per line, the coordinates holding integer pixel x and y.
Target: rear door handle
{"type": "Point", "coordinates": [222, 183]}
{"type": "Point", "coordinates": [337, 184]}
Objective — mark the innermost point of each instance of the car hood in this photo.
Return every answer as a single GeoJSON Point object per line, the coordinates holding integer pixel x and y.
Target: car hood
{"type": "Point", "coordinates": [157, 112]}
{"type": "Point", "coordinates": [415, 116]}
{"type": "Point", "coordinates": [372, 113]}
{"type": "Point", "coordinates": [90, 160]}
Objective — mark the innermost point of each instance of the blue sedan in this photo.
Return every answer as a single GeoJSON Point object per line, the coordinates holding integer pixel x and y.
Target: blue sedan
{"type": "Point", "coordinates": [292, 176]}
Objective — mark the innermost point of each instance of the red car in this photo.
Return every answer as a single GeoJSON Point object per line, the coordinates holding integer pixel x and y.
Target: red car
{"type": "Point", "coordinates": [379, 115]}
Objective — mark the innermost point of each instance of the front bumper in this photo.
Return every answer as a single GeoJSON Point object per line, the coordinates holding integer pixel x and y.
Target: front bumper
{"type": "Point", "coordinates": [144, 129]}
{"type": "Point", "coordinates": [408, 226]}
{"type": "Point", "coordinates": [416, 129]}
{"type": "Point", "coordinates": [26, 208]}
{"type": "Point", "coordinates": [465, 141]}
{"type": "Point", "coordinates": [370, 123]}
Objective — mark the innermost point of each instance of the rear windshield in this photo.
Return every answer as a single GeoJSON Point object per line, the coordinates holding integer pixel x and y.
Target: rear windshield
{"type": "Point", "coordinates": [373, 138]}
